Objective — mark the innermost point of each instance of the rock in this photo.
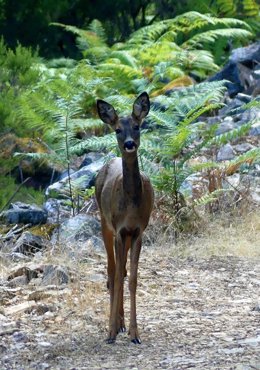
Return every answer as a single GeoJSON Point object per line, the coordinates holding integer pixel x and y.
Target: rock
{"type": "Point", "coordinates": [19, 308]}
{"type": "Point", "coordinates": [18, 257]}
{"type": "Point", "coordinates": [43, 274]}
{"type": "Point", "coordinates": [243, 147]}
{"type": "Point", "coordinates": [58, 210]}
{"type": "Point", "coordinates": [225, 126]}
{"type": "Point", "coordinates": [96, 244]}
{"type": "Point", "coordinates": [90, 158]}
{"type": "Point", "coordinates": [22, 213]}
{"type": "Point", "coordinates": [84, 178]}
{"type": "Point", "coordinates": [55, 275]}
{"type": "Point", "coordinates": [249, 53]}
{"type": "Point", "coordinates": [18, 281]}
{"type": "Point", "coordinates": [239, 71]}
{"type": "Point", "coordinates": [78, 228]}
{"type": "Point", "coordinates": [232, 108]}
{"type": "Point", "coordinates": [29, 244]}
{"type": "Point", "coordinates": [18, 336]}
{"type": "Point", "coordinates": [255, 129]}
{"type": "Point", "coordinates": [256, 308]}
{"type": "Point", "coordinates": [225, 153]}
{"type": "Point", "coordinates": [38, 171]}
{"type": "Point", "coordinates": [30, 273]}
{"type": "Point", "coordinates": [92, 245]}
{"type": "Point", "coordinates": [244, 98]}
{"type": "Point", "coordinates": [255, 194]}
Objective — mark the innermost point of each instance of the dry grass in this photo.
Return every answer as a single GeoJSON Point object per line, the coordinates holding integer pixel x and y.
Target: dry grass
{"type": "Point", "coordinates": [182, 303]}
{"type": "Point", "coordinates": [223, 236]}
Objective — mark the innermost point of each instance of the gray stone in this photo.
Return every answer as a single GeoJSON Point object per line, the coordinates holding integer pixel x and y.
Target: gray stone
{"type": "Point", "coordinates": [91, 158]}
{"type": "Point", "coordinates": [22, 213]}
{"type": "Point", "coordinates": [255, 194]}
{"type": "Point", "coordinates": [255, 129]}
{"type": "Point", "coordinates": [244, 54]}
{"type": "Point", "coordinates": [243, 147]}
{"type": "Point", "coordinates": [29, 244]}
{"type": "Point", "coordinates": [252, 114]}
{"type": "Point", "coordinates": [225, 153]}
{"type": "Point", "coordinates": [55, 275]}
{"type": "Point", "coordinates": [225, 126]}
{"type": "Point", "coordinates": [58, 210]}
{"type": "Point", "coordinates": [232, 108]}
{"type": "Point", "coordinates": [18, 281]}
{"type": "Point", "coordinates": [83, 179]}
{"type": "Point", "coordinates": [79, 228]}
{"type": "Point", "coordinates": [244, 97]}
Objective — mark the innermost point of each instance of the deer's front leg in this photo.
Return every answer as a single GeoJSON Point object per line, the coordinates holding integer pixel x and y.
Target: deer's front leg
{"type": "Point", "coordinates": [134, 259]}
{"type": "Point", "coordinates": [117, 305]}
{"type": "Point", "coordinates": [108, 238]}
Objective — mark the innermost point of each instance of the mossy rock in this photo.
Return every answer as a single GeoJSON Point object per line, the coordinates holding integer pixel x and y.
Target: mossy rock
{"type": "Point", "coordinates": [38, 170]}
{"type": "Point", "coordinates": [44, 231]}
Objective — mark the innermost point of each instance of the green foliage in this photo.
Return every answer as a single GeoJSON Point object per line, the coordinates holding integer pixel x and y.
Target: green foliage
{"type": "Point", "coordinates": [56, 102]}
{"type": "Point", "coordinates": [18, 73]}
{"type": "Point", "coordinates": [246, 8]}
{"type": "Point", "coordinates": [28, 21]}
{"type": "Point", "coordinates": [25, 194]}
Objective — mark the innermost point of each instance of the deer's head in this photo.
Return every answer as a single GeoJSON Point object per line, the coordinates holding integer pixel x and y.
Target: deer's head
{"type": "Point", "coordinates": [127, 129]}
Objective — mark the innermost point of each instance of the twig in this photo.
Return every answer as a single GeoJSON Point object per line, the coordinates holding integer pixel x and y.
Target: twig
{"type": "Point", "coordinates": [14, 194]}
{"type": "Point", "coordinates": [14, 231]}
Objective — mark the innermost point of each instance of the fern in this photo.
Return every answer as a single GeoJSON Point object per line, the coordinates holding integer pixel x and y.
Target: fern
{"type": "Point", "coordinates": [208, 198]}
{"type": "Point", "coordinates": [249, 8]}
{"type": "Point", "coordinates": [209, 37]}
{"type": "Point", "coordinates": [107, 142]}
{"type": "Point", "coordinates": [231, 135]}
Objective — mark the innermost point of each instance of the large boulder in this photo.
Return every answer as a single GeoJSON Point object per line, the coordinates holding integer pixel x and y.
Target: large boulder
{"type": "Point", "coordinates": [29, 244]}
{"type": "Point", "coordinates": [240, 71]}
{"type": "Point", "coordinates": [83, 179]}
{"type": "Point", "coordinates": [22, 213]}
{"type": "Point", "coordinates": [77, 229]}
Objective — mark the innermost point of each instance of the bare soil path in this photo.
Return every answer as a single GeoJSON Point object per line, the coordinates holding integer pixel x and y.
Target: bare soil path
{"type": "Point", "coordinates": [193, 313]}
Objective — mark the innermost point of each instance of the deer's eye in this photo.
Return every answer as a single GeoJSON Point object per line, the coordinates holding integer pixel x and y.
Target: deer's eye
{"type": "Point", "coordinates": [136, 127]}
{"type": "Point", "coordinates": [118, 130]}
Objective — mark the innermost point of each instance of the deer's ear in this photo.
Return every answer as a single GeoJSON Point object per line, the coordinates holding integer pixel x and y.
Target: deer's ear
{"type": "Point", "coordinates": [141, 106]}
{"type": "Point", "coordinates": [106, 112]}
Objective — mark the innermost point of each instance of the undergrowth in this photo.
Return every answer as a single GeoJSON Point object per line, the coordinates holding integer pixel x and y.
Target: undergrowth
{"type": "Point", "coordinates": [221, 234]}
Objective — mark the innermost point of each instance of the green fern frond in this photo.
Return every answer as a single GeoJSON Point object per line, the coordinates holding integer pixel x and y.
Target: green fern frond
{"type": "Point", "coordinates": [87, 125]}
{"type": "Point", "coordinates": [97, 54]}
{"type": "Point", "coordinates": [94, 143]}
{"type": "Point", "coordinates": [97, 28]}
{"type": "Point", "coordinates": [250, 157]}
{"type": "Point", "coordinates": [231, 135]}
{"type": "Point", "coordinates": [208, 198]}
{"type": "Point", "coordinates": [209, 37]}
{"type": "Point", "coordinates": [125, 58]}
{"type": "Point", "coordinates": [86, 39]}
{"type": "Point", "coordinates": [249, 8]}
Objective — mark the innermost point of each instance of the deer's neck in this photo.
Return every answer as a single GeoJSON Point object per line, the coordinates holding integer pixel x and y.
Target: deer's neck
{"type": "Point", "coordinates": [132, 183]}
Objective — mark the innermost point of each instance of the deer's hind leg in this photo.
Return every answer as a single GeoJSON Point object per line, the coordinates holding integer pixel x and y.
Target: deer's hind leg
{"type": "Point", "coordinates": [126, 242]}
{"type": "Point", "coordinates": [134, 259]}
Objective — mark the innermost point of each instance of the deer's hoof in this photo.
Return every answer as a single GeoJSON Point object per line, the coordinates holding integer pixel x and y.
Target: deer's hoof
{"type": "Point", "coordinates": [136, 341]}
{"type": "Point", "coordinates": [122, 329]}
{"type": "Point", "coordinates": [110, 340]}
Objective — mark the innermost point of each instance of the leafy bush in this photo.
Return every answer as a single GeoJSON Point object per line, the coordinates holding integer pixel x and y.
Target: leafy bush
{"type": "Point", "coordinates": [18, 73]}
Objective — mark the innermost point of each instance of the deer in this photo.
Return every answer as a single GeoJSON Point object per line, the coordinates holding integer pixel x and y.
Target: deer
{"type": "Point", "coordinates": [125, 199]}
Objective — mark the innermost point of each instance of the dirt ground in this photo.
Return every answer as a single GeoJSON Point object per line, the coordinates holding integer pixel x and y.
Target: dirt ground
{"type": "Point", "coordinates": [192, 313]}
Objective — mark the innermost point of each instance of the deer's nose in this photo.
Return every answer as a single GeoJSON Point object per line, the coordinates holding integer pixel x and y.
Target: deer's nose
{"type": "Point", "coordinates": [130, 146]}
